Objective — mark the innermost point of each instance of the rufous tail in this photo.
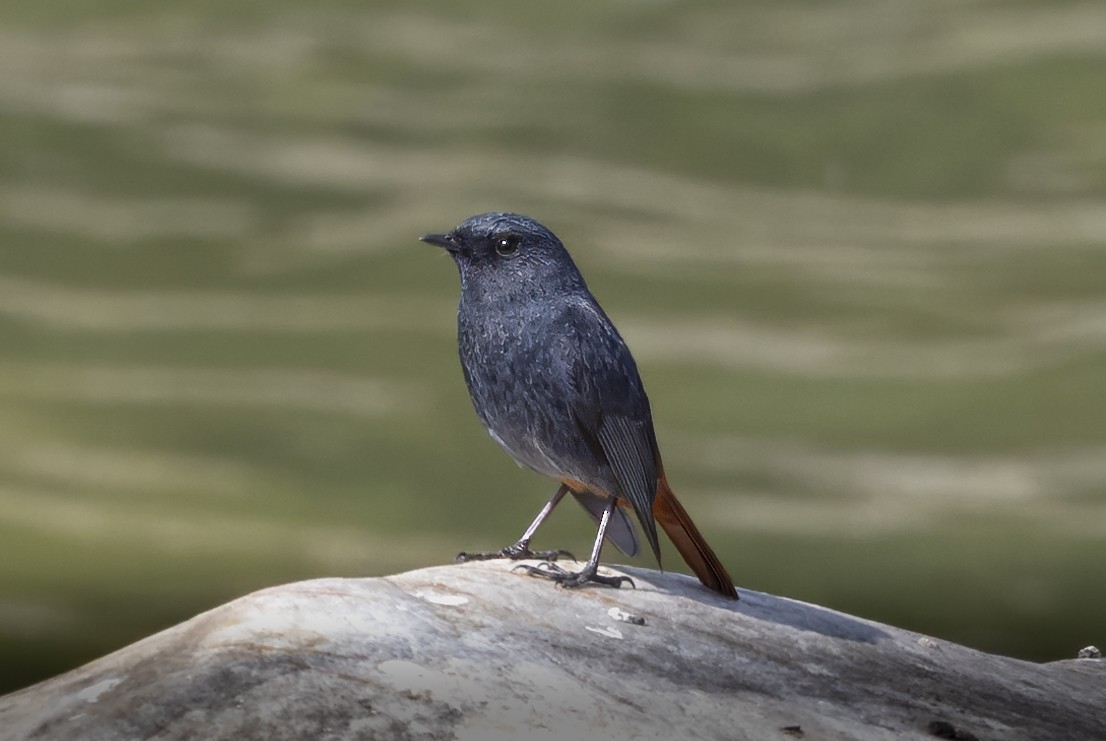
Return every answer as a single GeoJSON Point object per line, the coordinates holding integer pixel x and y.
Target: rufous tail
{"type": "Point", "coordinates": [677, 524]}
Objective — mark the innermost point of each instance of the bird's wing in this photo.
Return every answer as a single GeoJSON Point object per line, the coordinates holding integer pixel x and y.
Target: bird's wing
{"type": "Point", "coordinates": [612, 413]}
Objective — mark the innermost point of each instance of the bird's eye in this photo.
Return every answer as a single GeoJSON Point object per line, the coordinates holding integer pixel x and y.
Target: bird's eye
{"type": "Point", "coordinates": [506, 245]}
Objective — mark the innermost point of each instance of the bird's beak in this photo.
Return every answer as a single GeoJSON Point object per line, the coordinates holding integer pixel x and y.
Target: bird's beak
{"type": "Point", "coordinates": [445, 241]}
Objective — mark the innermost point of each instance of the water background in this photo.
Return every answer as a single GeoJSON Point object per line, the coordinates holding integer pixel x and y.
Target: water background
{"type": "Point", "coordinates": [858, 249]}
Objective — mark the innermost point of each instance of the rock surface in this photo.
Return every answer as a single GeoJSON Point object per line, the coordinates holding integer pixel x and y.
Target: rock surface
{"type": "Point", "coordinates": [474, 651]}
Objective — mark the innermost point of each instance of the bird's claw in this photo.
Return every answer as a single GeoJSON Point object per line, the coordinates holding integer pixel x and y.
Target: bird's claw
{"type": "Point", "coordinates": [573, 579]}
{"type": "Point", "coordinates": [516, 552]}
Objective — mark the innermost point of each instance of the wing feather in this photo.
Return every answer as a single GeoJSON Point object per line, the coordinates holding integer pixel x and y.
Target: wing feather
{"type": "Point", "coordinates": [627, 445]}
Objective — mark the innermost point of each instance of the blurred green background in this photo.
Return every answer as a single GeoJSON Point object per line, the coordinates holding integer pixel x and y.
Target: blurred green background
{"type": "Point", "coordinates": [858, 248]}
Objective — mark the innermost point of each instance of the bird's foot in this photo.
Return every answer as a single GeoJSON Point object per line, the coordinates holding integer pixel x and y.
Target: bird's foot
{"type": "Point", "coordinates": [572, 579]}
{"type": "Point", "coordinates": [516, 552]}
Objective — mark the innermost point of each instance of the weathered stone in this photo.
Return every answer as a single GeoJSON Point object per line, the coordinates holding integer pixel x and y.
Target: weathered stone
{"type": "Point", "coordinates": [474, 651]}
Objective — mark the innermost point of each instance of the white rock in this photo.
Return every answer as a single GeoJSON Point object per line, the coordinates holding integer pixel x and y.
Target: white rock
{"type": "Point", "coordinates": [474, 651]}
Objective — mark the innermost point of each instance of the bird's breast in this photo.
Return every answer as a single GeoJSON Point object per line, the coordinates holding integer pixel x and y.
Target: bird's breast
{"type": "Point", "coordinates": [518, 385]}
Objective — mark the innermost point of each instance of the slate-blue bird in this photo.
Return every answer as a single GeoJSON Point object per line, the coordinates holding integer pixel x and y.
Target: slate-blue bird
{"type": "Point", "coordinates": [557, 388]}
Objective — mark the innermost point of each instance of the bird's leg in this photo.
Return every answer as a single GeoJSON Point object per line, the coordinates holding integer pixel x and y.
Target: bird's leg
{"type": "Point", "coordinates": [521, 549]}
{"type": "Point", "coordinates": [590, 573]}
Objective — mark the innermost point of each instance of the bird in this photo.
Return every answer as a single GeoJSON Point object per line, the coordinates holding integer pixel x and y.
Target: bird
{"type": "Point", "coordinates": [556, 387]}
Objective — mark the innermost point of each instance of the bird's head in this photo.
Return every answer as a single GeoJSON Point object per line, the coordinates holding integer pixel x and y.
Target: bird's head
{"type": "Point", "coordinates": [504, 254]}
